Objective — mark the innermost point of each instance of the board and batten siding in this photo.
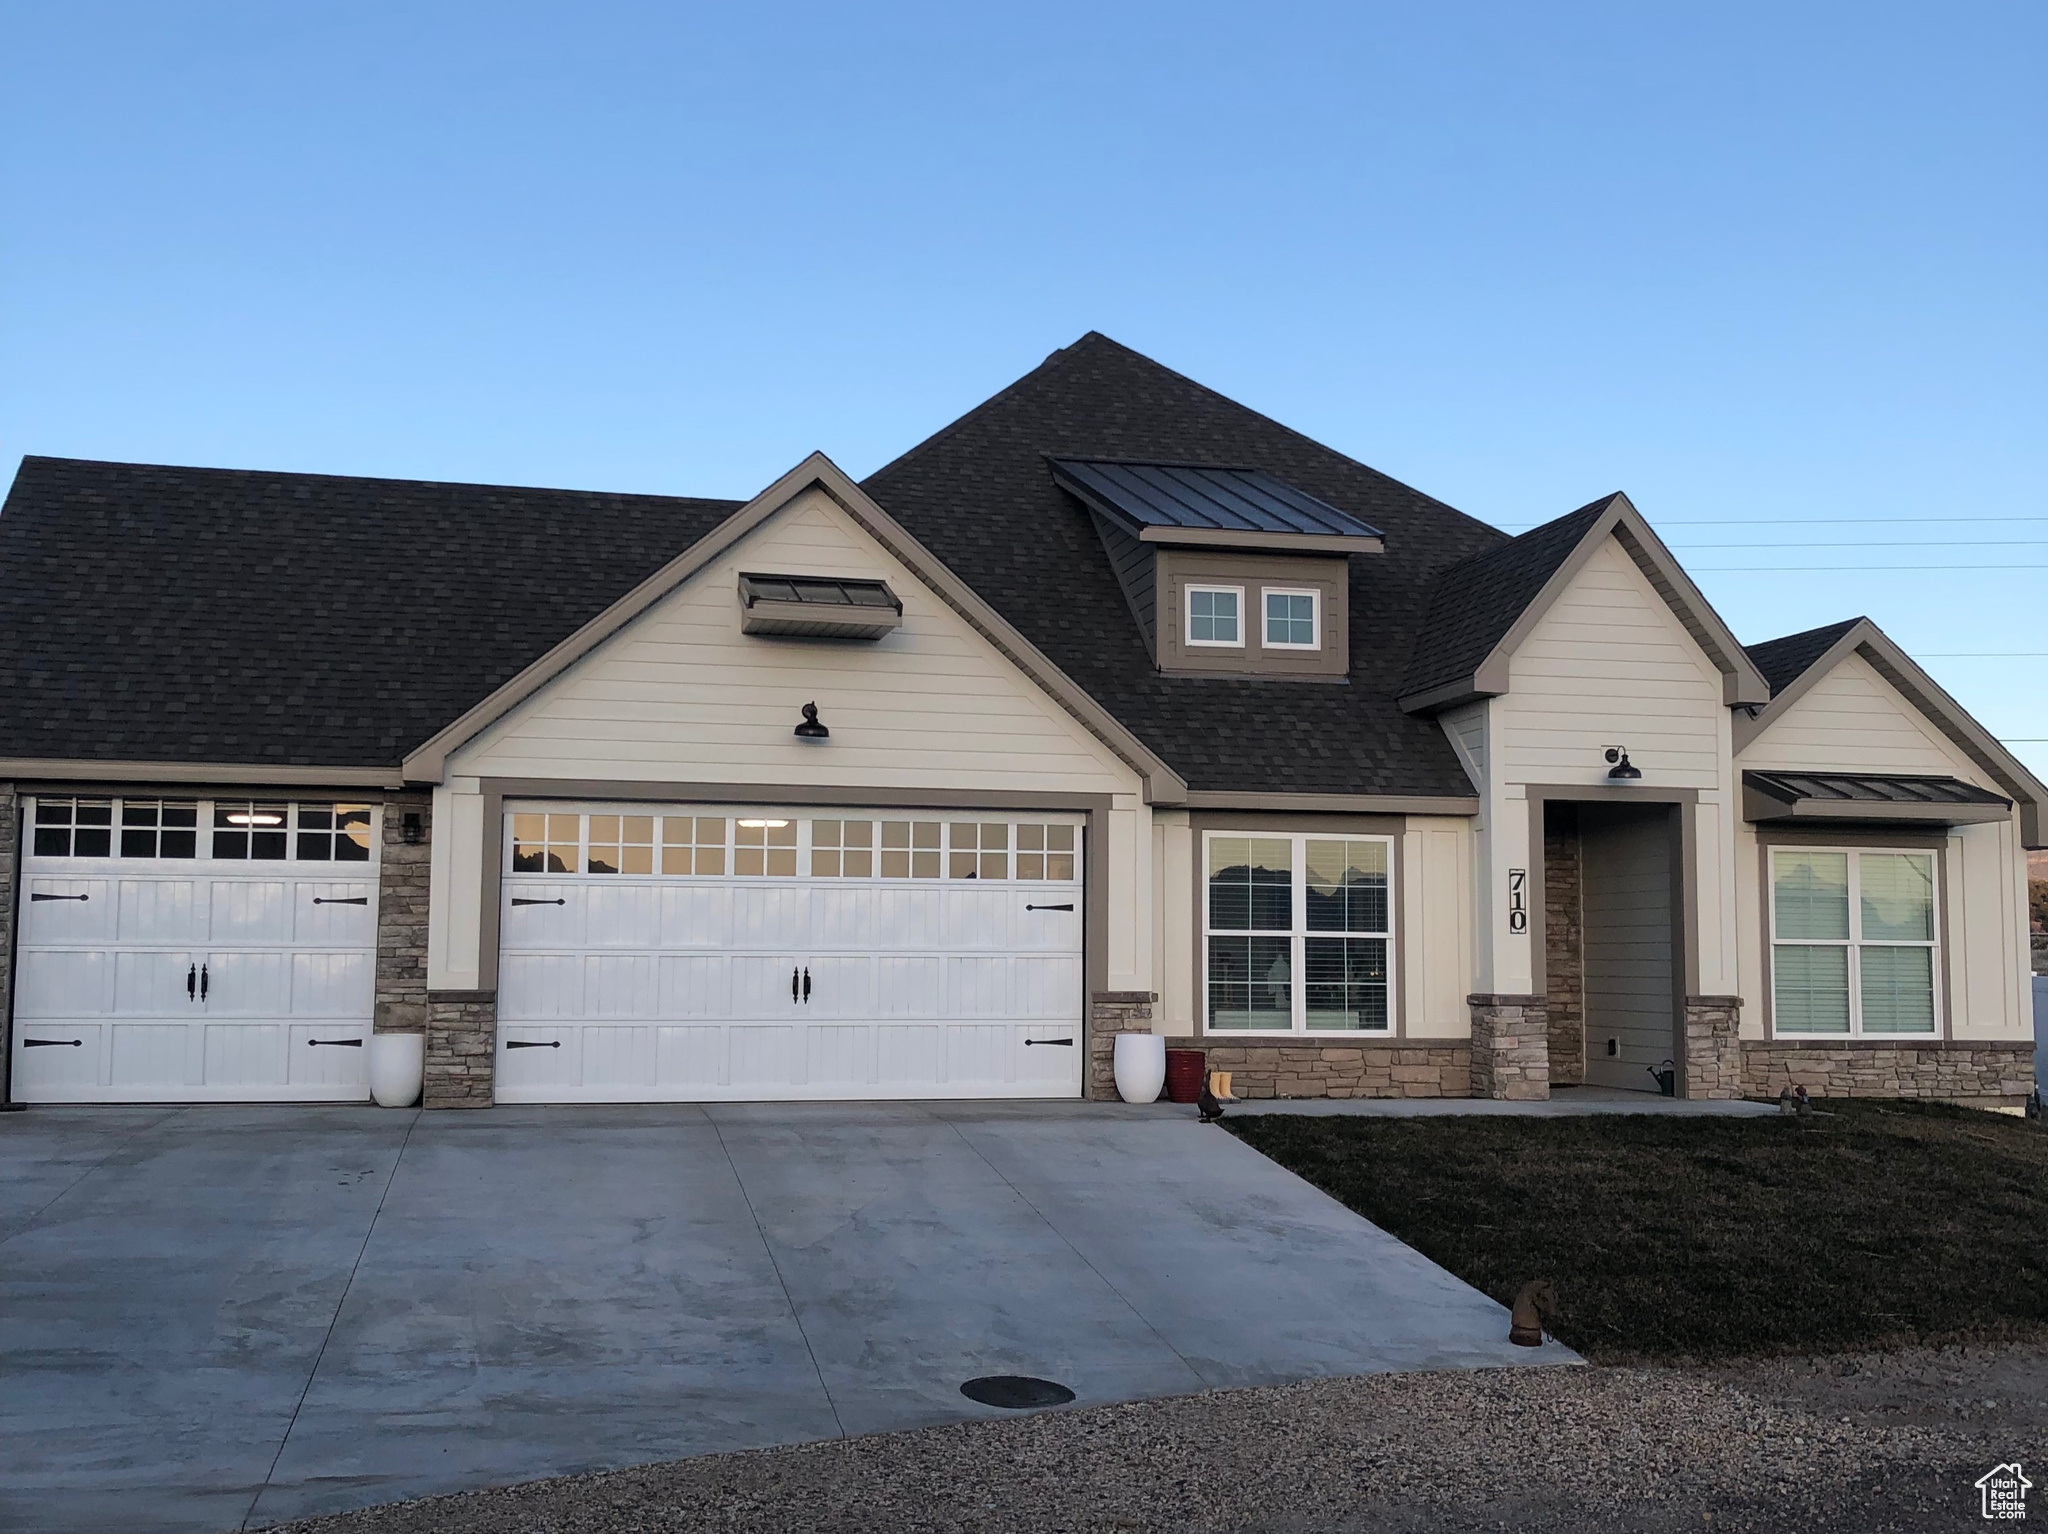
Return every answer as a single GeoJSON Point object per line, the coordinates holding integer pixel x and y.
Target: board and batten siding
{"type": "Point", "coordinates": [1853, 720]}
{"type": "Point", "coordinates": [680, 695]}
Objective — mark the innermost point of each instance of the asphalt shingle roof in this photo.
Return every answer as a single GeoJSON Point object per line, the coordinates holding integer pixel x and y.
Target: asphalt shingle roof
{"type": "Point", "coordinates": [213, 615]}
{"type": "Point", "coordinates": [1784, 661]}
{"type": "Point", "coordinates": [980, 494]}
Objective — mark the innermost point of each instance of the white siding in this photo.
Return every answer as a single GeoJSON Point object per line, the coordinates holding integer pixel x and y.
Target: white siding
{"type": "Point", "coordinates": [1610, 664]}
{"type": "Point", "coordinates": [1436, 905]}
{"type": "Point", "coordinates": [1466, 728]}
{"type": "Point", "coordinates": [1853, 720]}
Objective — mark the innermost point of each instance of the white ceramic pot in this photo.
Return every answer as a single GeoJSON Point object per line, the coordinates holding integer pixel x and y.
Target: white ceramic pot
{"type": "Point", "coordinates": [1140, 1066]}
{"type": "Point", "coordinates": [398, 1067]}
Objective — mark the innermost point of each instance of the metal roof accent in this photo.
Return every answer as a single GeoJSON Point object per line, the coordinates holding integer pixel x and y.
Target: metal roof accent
{"type": "Point", "coordinates": [1211, 504]}
{"type": "Point", "coordinates": [818, 607]}
{"type": "Point", "coordinates": [1866, 796]}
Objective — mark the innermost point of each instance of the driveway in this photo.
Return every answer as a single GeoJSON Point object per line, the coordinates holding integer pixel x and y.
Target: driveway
{"type": "Point", "coordinates": [221, 1317]}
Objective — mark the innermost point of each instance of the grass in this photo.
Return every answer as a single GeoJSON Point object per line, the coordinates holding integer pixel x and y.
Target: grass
{"type": "Point", "coordinates": [1689, 1240]}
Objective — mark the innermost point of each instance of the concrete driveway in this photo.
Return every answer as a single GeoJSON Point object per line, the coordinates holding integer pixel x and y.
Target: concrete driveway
{"type": "Point", "coordinates": [217, 1317]}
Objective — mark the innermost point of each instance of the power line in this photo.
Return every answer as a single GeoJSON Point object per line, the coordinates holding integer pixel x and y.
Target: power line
{"type": "Point", "coordinates": [1864, 543]}
{"type": "Point", "coordinates": [1814, 521]}
{"type": "Point", "coordinates": [1834, 569]}
{"type": "Point", "coordinates": [1983, 654]}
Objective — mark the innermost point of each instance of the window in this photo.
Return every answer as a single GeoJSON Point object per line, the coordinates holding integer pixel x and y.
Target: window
{"type": "Point", "coordinates": [546, 844]}
{"type": "Point", "coordinates": [1291, 620]}
{"type": "Point", "coordinates": [978, 850]}
{"type": "Point", "coordinates": [693, 844]}
{"type": "Point", "coordinates": [765, 847]}
{"type": "Point", "coordinates": [842, 849]}
{"type": "Point", "coordinates": [620, 844]}
{"type": "Point", "coordinates": [1045, 852]}
{"type": "Point", "coordinates": [252, 831]}
{"type": "Point", "coordinates": [1852, 942]}
{"type": "Point", "coordinates": [328, 833]}
{"type": "Point", "coordinates": [159, 828]}
{"type": "Point", "coordinates": [1298, 934]}
{"type": "Point", "coordinates": [1213, 615]}
{"type": "Point", "coordinates": [910, 849]}
{"type": "Point", "coordinates": [74, 828]}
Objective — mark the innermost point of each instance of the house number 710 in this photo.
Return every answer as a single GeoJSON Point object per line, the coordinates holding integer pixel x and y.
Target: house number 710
{"type": "Point", "coordinates": [1518, 900]}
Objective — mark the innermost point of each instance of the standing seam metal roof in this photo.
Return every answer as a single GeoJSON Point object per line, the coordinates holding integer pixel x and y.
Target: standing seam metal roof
{"type": "Point", "coordinates": [1208, 497]}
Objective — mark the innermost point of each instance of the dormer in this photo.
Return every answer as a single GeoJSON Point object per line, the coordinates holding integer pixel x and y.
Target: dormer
{"type": "Point", "coordinates": [1229, 571]}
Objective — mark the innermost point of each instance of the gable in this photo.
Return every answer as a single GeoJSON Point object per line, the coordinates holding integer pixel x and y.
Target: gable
{"type": "Point", "coordinates": [680, 694]}
{"type": "Point", "coordinates": [1609, 662]}
{"type": "Point", "coordinates": [1852, 720]}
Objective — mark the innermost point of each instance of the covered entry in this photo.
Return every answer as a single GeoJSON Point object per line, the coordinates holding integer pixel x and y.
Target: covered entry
{"type": "Point", "coordinates": [708, 952]}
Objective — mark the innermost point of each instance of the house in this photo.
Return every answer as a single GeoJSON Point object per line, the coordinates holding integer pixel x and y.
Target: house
{"type": "Point", "coordinates": [1114, 705]}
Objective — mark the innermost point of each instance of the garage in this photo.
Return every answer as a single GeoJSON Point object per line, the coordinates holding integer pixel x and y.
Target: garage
{"type": "Point", "coordinates": [195, 950]}
{"type": "Point", "coordinates": [732, 953]}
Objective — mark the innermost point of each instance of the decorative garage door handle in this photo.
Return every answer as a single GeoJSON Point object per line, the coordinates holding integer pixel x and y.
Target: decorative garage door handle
{"type": "Point", "coordinates": [51, 1043]}
{"type": "Point", "coordinates": [533, 1043]}
{"type": "Point", "coordinates": [191, 981]}
{"type": "Point", "coordinates": [517, 900]}
{"type": "Point", "coordinates": [203, 982]}
{"type": "Point", "coordinates": [39, 895]}
{"type": "Point", "coordinates": [807, 985]}
{"type": "Point", "coordinates": [1067, 1043]}
{"type": "Point", "coordinates": [792, 985]}
{"type": "Point", "coordinates": [341, 900]}
{"type": "Point", "coordinates": [343, 1043]}
{"type": "Point", "coordinates": [1067, 907]}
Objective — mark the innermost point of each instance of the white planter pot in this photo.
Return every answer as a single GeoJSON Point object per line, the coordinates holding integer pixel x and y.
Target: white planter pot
{"type": "Point", "coordinates": [1140, 1066]}
{"type": "Point", "coordinates": [398, 1068]}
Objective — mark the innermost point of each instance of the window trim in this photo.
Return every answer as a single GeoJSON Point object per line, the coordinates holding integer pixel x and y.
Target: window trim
{"type": "Point", "coordinates": [1187, 593]}
{"type": "Point", "coordinates": [1298, 1032]}
{"type": "Point", "coordinates": [1315, 598]}
{"type": "Point", "coordinates": [1855, 943]}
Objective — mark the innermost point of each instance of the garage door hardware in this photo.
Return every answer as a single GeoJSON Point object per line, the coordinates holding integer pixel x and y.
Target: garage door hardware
{"type": "Point", "coordinates": [533, 1043]}
{"type": "Point", "coordinates": [51, 1043]}
{"type": "Point", "coordinates": [799, 991]}
{"type": "Point", "coordinates": [1069, 1043]}
{"type": "Point", "coordinates": [39, 895]}
{"type": "Point", "coordinates": [1067, 907]}
{"type": "Point", "coordinates": [516, 900]}
{"type": "Point", "coordinates": [341, 900]}
{"type": "Point", "coordinates": [202, 979]}
{"type": "Point", "coordinates": [343, 1043]}
{"type": "Point", "coordinates": [1016, 1392]}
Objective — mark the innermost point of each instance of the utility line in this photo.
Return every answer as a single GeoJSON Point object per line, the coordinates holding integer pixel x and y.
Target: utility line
{"type": "Point", "coordinates": [1833, 569]}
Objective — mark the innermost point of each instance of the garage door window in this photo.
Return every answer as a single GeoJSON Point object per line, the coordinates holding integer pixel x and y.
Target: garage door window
{"type": "Point", "coordinates": [842, 849]}
{"type": "Point", "coordinates": [766, 848]}
{"type": "Point", "coordinates": [74, 828]}
{"type": "Point", "coordinates": [546, 844]}
{"type": "Point", "coordinates": [978, 850]}
{"type": "Point", "coordinates": [621, 844]}
{"type": "Point", "coordinates": [160, 828]}
{"type": "Point", "coordinates": [333, 833]}
{"type": "Point", "coordinates": [910, 849]}
{"type": "Point", "coordinates": [1299, 934]}
{"type": "Point", "coordinates": [1045, 852]}
{"type": "Point", "coordinates": [693, 845]}
{"type": "Point", "coordinates": [252, 831]}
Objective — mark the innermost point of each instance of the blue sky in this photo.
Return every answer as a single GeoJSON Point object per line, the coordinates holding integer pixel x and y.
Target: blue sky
{"type": "Point", "coordinates": [1777, 271]}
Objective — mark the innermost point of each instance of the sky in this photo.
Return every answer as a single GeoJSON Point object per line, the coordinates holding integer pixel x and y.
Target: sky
{"type": "Point", "coordinates": [1777, 271]}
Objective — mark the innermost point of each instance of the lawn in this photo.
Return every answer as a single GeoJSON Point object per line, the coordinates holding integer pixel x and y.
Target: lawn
{"type": "Point", "coordinates": [1673, 1239]}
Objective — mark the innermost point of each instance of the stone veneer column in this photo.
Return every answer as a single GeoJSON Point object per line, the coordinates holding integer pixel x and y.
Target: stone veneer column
{"type": "Point", "coordinates": [1112, 1013]}
{"type": "Point", "coordinates": [10, 884]}
{"type": "Point", "coordinates": [462, 1049]}
{"type": "Point", "coordinates": [1510, 1047]}
{"type": "Point", "coordinates": [402, 917]}
{"type": "Point", "coordinates": [1564, 954]}
{"type": "Point", "coordinates": [1713, 1047]}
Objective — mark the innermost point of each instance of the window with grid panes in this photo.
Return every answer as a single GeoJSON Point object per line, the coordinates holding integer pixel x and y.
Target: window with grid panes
{"type": "Point", "coordinates": [159, 828]}
{"type": "Point", "coordinates": [1297, 934]}
{"type": "Point", "coordinates": [255, 831]}
{"type": "Point", "coordinates": [693, 844]}
{"type": "Point", "coordinates": [842, 849]}
{"type": "Point", "coordinates": [978, 850]}
{"type": "Point", "coordinates": [546, 843]}
{"type": "Point", "coordinates": [334, 833]}
{"type": "Point", "coordinates": [1045, 852]}
{"type": "Point", "coordinates": [1852, 942]}
{"type": "Point", "coordinates": [620, 844]}
{"type": "Point", "coordinates": [910, 849]}
{"type": "Point", "coordinates": [74, 828]}
{"type": "Point", "coordinates": [765, 847]}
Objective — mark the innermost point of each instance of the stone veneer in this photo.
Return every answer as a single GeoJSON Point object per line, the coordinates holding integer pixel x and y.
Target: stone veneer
{"type": "Point", "coordinates": [1713, 1047]}
{"type": "Point", "coordinates": [1510, 1047]}
{"type": "Point", "coordinates": [1984, 1074]}
{"type": "Point", "coordinates": [1109, 1014]}
{"type": "Point", "coordinates": [402, 894]}
{"type": "Point", "coordinates": [1564, 965]}
{"type": "Point", "coordinates": [462, 1049]}
{"type": "Point", "coordinates": [10, 882]}
{"type": "Point", "coordinates": [1395, 1068]}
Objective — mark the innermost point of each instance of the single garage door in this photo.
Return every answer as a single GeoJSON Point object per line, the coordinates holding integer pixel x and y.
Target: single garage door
{"type": "Point", "coordinates": [704, 952]}
{"type": "Point", "coordinates": [195, 951]}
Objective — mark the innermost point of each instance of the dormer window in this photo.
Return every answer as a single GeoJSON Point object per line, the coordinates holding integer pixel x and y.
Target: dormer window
{"type": "Point", "coordinates": [1214, 616]}
{"type": "Point", "coordinates": [1292, 619]}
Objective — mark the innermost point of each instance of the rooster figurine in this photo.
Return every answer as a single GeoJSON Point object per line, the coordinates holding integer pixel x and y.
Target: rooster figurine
{"type": "Point", "coordinates": [1209, 1105]}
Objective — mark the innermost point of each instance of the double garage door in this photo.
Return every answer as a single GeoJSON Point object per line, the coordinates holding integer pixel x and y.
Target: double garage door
{"type": "Point", "coordinates": [704, 952]}
{"type": "Point", "coordinates": [195, 951]}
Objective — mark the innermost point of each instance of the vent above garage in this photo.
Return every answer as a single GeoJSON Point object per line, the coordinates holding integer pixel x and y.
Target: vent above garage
{"type": "Point", "coordinates": [818, 607]}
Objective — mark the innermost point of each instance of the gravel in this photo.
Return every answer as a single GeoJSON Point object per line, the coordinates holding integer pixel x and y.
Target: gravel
{"type": "Point", "coordinates": [1868, 1443]}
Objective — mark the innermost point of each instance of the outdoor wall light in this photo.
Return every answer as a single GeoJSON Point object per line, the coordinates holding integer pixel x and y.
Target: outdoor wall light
{"type": "Point", "coordinates": [414, 829]}
{"type": "Point", "coordinates": [1623, 771]}
{"type": "Point", "coordinates": [811, 729]}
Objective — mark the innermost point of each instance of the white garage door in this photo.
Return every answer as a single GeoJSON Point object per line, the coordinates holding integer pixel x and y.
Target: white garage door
{"type": "Point", "coordinates": [195, 951]}
{"type": "Point", "coordinates": [701, 953]}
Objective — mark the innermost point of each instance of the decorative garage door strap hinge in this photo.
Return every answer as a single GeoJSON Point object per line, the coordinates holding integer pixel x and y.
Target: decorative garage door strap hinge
{"type": "Point", "coordinates": [52, 1043]}
{"type": "Point", "coordinates": [1069, 1043]}
{"type": "Point", "coordinates": [344, 1043]}
{"type": "Point", "coordinates": [341, 900]}
{"type": "Point", "coordinates": [39, 895]}
{"type": "Point", "coordinates": [533, 1043]}
{"type": "Point", "coordinates": [519, 900]}
{"type": "Point", "coordinates": [1067, 907]}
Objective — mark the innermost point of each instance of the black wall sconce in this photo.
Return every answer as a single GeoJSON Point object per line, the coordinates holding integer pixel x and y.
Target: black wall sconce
{"type": "Point", "coordinates": [413, 828]}
{"type": "Point", "coordinates": [811, 729]}
{"type": "Point", "coordinates": [1623, 770]}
